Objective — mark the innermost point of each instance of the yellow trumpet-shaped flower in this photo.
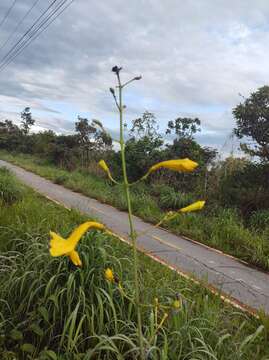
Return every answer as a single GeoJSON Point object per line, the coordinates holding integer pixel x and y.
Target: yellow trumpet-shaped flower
{"type": "Point", "coordinates": [198, 205]}
{"type": "Point", "coordinates": [60, 246]}
{"type": "Point", "coordinates": [109, 275]}
{"type": "Point", "coordinates": [104, 166]}
{"type": "Point", "coordinates": [185, 165]}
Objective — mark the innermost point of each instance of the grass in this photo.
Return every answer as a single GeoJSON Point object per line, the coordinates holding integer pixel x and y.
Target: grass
{"type": "Point", "coordinates": [52, 310]}
{"type": "Point", "coordinates": [216, 227]}
{"type": "Point", "coordinates": [10, 189]}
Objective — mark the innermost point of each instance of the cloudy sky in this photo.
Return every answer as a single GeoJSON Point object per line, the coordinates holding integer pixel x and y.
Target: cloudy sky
{"type": "Point", "coordinates": [195, 58]}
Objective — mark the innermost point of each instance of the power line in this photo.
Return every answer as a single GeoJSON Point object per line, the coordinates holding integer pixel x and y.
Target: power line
{"type": "Point", "coordinates": [27, 32]}
{"type": "Point", "coordinates": [18, 25]}
{"type": "Point", "coordinates": [18, 48]}
{"type": "Point", "coordinates": [8, 12]}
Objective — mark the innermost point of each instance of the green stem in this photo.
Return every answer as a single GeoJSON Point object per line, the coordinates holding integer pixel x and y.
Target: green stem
{"type": "Point", "coordinates": [132, 230]}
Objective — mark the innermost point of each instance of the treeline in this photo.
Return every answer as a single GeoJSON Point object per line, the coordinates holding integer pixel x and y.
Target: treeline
{"type": "Point", "coordinates": [234, 182]}
{"type": "Point", "coordinates": [90, 142]}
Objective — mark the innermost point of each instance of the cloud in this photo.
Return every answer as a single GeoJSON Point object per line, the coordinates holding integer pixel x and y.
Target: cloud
{"type": "Point", "coordinates": [195, 57]}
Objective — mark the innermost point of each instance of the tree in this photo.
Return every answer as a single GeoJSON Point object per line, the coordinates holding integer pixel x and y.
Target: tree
{"type": "Point", "coordinates": [252, 123]}
{"type": "Point", "coordinates": [91, 137]}
{"type": "Point", "coordinates": [43, 143]}
{"type": "Point", "coordinates": [10, 135]}
{"type": "Point", "coordinates": [185, 146]}
{"type": "Point", "coordinates": [184, 128]}
{"type": "Point", "coordinates": [146, 126]}
{"type": "Point", "coordinates": [26, 120]}
{"type": "Point", "coordinates": [143, 146]}
{"type": "Point", "coordinates": [63, 151]}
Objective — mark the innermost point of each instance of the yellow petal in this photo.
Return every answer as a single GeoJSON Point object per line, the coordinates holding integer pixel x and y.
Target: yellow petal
{"type": "Point", "coordinates": [198, 205]}
{"type": "Point", "coordinates": [103, 165]}
{"type": "Point", "coordinates": [176, 304]}
{"type": "Point", "coordinates": [185, 165]}
{"type": "Point", "coordinates": [81, 230]}
{"type": "Point", "coordinates": [74, 257]}
{"type": "Point", "coordinates": [59, 246]}
{"type": "Point", "coordinates": [109, 275]}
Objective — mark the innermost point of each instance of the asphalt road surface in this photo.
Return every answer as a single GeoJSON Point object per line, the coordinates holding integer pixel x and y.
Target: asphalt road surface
{"type": "Point", "coordinates": [243, 283]}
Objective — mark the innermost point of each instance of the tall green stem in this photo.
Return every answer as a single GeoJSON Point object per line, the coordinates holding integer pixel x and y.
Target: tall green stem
{"type": "Point", "coordinates": [132, 230]}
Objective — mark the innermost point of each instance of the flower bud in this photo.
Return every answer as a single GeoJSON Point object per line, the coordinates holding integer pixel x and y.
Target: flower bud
{"type": "Point", "coordinates": [109, 275]}
{"type": "Point", "coordinates": [116, 69]}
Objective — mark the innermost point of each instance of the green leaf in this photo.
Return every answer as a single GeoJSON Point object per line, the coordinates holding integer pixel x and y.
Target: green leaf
{"type": "Point", "coordinates": [29, 348]}
{"type": "Point", "coordinates": [16, 334]}
{"type": "Point", "coordinates": [37, 329]}
{"type": "Point", "coordinates": [44, 313]}
{"type": "Point", "coordinates": [250, 338]}
{"type": "Point", "coordinates": [50, 354]}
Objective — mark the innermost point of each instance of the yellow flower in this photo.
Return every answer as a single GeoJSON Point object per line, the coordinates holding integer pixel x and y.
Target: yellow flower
{"type": "Point", "coordinates": [103, 165]}
{"type": "Point", "coordinates": [185, 165]}
{"type": "Point", "coordinates": [176, 304]}
{"type": "Point", "coordinates": [109, 275]}
{"type": "Point", "coordinates": [198, 205]}
{"type": "Point", "coordinates": [60, 246]}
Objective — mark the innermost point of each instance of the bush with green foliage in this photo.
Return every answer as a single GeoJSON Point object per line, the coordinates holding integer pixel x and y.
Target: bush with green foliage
{"type": "Point", "coordinates": [245, 188]}
{"type": "Point", "coordinates": [259, 220]}
{"type": "Point", "coordinates": [174, 200]}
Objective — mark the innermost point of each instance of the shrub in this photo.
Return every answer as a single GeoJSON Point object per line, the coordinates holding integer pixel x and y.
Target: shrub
{"type": "Point", "coordinates": [174, 200]}
{"type": "Point", "coordinates": [158, 189]}
{"type": "Point", "coordinates": [61, 179]}
{"type": "Point", "coordinates": [259, 220]}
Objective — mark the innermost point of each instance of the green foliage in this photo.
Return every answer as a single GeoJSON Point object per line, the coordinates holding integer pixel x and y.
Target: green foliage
{"type": "Point", "coordinates": [140, 155]}
{"type": "Point", "coordinates": [51, 310]}
{"type": "Point", "coordinates": [237, 187]}
{"type": "Point", "coordinates": [10, 190]}
{"type": "Point", "coordinates": [224, 230]}
{"type": "Point", "coordinates": [91, 138]}
{"type": "Point", "coordinates": [259, 220]}
{"type": "Point", "coordinates": [184, 128]}
{"type": "Point", "coordinates": [10, 136]}
{"type": "Point", "coordinates": [174, 200]}
{"type": "Point", "coordinates": [143, 147]}
{"type": "Point", "coordinates": [26, 120]}
{"type": "Point", "coordinates": [252, 123]}
{"type": "Point", "coordinates": [61, 179]}
{"type": "Point", "coordinates": [206, 227]}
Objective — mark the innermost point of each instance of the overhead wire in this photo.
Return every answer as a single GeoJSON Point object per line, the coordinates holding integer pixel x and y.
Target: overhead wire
{"type": "Point", "coordinates": [28, 31]}
{"type": "Point", "coordinates": [33, 32]}
{"type": "Point", "coordinates": [18, 24]}
{"type": "Point", "coordinates": [7, 13]}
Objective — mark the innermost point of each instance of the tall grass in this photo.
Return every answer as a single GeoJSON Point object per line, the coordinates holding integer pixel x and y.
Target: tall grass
{"type": "Point", "coordinates": [52, 310]}
{"type": "Point", "coordinates": [10, 189]}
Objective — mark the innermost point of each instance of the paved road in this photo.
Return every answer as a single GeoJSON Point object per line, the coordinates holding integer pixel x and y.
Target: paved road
{"type": "Point", "coordinates": [245, 284]}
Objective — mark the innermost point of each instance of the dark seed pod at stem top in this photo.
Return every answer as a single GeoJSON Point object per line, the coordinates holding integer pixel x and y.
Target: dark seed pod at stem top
{"type": "Point", "coordinates": [116, 69]}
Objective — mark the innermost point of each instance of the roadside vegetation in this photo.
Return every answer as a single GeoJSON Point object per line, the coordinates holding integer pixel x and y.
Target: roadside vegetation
{"type": "Point", "coordinates": [51, 309]}
{"type": "Point", "coordinates": [220, 227]}
{"type": "Point", "coordinates": [236, 217]}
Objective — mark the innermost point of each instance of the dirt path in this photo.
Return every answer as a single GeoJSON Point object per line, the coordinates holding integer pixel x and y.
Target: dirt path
{"type": "Point", "coordinates": [246, 285]}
